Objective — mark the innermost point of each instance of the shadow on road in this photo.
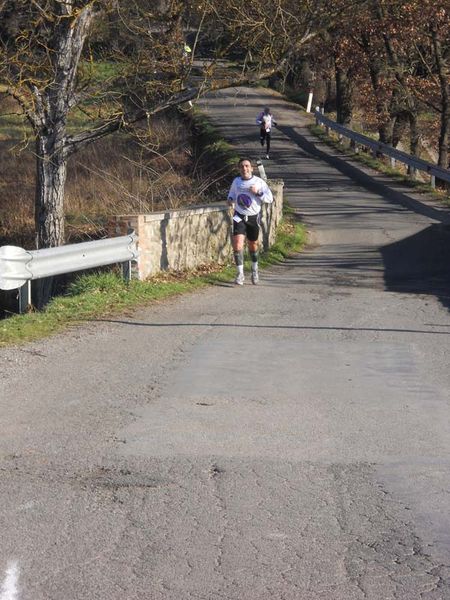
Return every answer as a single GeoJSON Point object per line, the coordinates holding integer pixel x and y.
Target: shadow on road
{"type": "Point", "coordinates": [365, 179]}
{"type": "Point", "coordinates": [280, 327]}
{"type": "Point", "coordinates": [418, 264]}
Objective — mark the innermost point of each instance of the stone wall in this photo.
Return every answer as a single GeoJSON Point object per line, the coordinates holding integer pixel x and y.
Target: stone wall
{"type": "Point", "coordinates": [190, 237]}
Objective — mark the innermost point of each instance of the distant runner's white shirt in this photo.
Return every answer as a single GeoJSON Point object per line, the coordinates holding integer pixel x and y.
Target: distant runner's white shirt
{"type": "Point", "coordinates": [246, 202]}
{"type": "Point", "coordinates": [266, 121]}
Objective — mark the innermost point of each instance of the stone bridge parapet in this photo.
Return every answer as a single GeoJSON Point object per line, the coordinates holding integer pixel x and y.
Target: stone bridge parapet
{"type": "Point", "coordinates": [186, 238]}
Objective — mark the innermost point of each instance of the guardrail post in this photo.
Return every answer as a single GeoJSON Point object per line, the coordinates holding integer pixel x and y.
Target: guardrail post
{"type": "Point", "coordinates": [392, 162]}
{"type": "Point", "coordinates": [126, 270]}
{"type": "Point", "coordinates": [433, 182]}
{"type": "Point", "coordinates": [412, 171]}
{"type": "Point", "coordinates": [25, 297]}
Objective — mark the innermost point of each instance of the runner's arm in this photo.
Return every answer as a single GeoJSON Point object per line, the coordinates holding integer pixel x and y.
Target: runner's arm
{"type": "Point", "coordinates": [231, 200]}
{"type": "Point", "coordinates": [265, 193]}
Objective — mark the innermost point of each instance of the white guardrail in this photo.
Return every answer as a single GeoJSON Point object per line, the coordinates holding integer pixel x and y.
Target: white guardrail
{"type": "Point", "coordinates": [414, 164]}
{"type": "Point", "coordinates": [18, 267]}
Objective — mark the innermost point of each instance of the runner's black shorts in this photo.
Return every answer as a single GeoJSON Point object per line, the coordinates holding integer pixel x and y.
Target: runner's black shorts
{"type": "Point", "coordinates": [249, 226]}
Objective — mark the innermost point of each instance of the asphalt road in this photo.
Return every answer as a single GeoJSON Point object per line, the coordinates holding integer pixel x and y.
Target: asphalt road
{"type": "Point", "coordinates": [285, 441]}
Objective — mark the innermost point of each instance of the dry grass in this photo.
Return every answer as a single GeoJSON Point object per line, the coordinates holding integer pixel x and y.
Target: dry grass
{"type": "Point", "coordinates": [16, 195]}
{"type": "Point", "coordinates": [142, 171]}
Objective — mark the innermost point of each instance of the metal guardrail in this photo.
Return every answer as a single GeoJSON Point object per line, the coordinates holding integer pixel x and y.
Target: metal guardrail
{"type": "Point", "coordinates": [18, 267]}
{"type": "Point", "coordinates": [415, 164]}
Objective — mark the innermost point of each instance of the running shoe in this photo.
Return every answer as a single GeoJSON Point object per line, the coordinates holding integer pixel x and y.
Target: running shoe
{"type": "Point", "coordinates": [239, 279]}
{"type": "Point", "coordinates": [255, 277]}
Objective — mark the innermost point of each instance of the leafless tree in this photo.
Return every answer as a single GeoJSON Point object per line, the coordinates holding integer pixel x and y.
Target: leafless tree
{"type": "Point", "coordinates": [47, 63]}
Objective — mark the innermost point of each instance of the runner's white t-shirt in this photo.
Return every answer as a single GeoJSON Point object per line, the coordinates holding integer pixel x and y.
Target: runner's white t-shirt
{"type": "Point", "coordinates": [246, 202]}
{"type": "Point", "coordinates": [267, 122]}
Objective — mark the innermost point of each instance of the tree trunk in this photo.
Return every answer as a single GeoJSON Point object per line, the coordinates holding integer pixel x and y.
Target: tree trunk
{"type": "Point", "coordinates": [385, 124]}
{"type": "Point", "coordinates": [402, 89]}
{"type": "Point", "coordinates": [443, 74]}
{"type": "Point", "coordinates": [52, 106]}
{"type": "Point", "coordinates": [414, 136]}
{"type": "Point", "coordinates": [444, 136]}
{"type": "Point", "coordinates": [49, 206]}
{"type": "Point", "coordinates": [400, 125]}
{"type": "Point", "coordinates": [385, 132]}
{"type": "Point", "coordinates": [50, 184]}
{"type": "Point", "coordinates": [344, 97]}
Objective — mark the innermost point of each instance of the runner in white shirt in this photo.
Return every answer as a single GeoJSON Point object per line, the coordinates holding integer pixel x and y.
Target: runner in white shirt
{"type": "Point", "coordinates": [246, 196]}
{"type": "Point", "coordinates": [266, 121]}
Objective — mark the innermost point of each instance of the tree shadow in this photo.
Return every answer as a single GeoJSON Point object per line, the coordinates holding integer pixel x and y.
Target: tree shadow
{"type": "Point", "coordinates": [364, 179]}
{"type": "Point", "coordinates": [273, 327]}
{"type": "Point", "coordinates": [420, 264]}
{"type": "Point", "coordinates": [417, 264]}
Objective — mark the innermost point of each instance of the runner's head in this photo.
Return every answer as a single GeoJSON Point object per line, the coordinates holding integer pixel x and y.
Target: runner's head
{"type": "Point", "coordinates": [266, 110]}
{"type": "Point", "coordinates": [245, 167]}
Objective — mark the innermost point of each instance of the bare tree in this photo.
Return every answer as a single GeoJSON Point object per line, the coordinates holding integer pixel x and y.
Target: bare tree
{"type": "Point", "coordinates": [442, 62]}
{"type": "Point", "coordinates": [432, 49]}
{"type": "Point", "coordinates": [49, 68]}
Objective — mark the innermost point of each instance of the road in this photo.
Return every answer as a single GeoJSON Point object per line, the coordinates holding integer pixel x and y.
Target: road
{"type": "Point", "coordinates": [285, 441]}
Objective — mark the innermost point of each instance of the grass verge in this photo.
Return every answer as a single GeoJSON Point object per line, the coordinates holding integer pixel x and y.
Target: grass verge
{"type": "Point", "coordinates": [103, 294]}
{"type": "Point", "coordinates": [379, 165]}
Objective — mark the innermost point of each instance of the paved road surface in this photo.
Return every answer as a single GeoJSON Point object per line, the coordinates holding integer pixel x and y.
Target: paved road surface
{"type": "Point", "coordinates": [281, 442]}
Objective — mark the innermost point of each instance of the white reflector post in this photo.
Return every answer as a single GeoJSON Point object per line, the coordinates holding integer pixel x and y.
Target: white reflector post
{"type": "Point", "coordinates": [13, 267]}
{"type": "Point", "coordinates": [261, 170]}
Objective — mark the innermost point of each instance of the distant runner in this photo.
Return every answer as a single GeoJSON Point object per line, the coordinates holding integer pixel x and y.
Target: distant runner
{"type": "Point", "coordinates": [246, 196]}
{"type": "Point", "coordinates": [265, 120]}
